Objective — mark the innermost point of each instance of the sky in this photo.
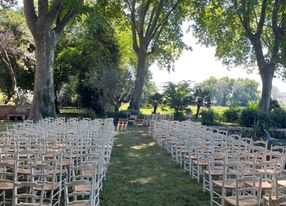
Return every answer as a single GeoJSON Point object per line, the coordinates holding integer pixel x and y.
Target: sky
{"type": "Point", "coordinates": [200, 64]}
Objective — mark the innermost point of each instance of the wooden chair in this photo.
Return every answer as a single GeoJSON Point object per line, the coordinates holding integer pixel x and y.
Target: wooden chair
{"type": "Point", "coordinates": [245, 194]}
{"type": "Point", "coordinates": [277, 197]}
{"type": "Point", "coordinates": [25, 194]}
{"type": "Point", "coordinates": [122, 124]}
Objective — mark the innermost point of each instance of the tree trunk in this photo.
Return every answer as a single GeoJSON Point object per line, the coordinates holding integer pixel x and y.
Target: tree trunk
{"type": "Point", "coordinates": [198, 110]}
{"type": "Point", "coordinates": [139, 81]}
{"type": "Point", "coordinates": [117, 106]}
{"type": "Point", "coordinates": [266, 77]}
{"type": "Point", "coordinates": [155, 108]}
{"type": "Point", "coordinates": [43, 104]}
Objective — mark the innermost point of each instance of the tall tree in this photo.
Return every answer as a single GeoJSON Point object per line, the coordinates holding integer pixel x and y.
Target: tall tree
{"type": "Point", "coordinates": [245, 32]}
{"type": "Point", "coordinates": [16, 53]}
{"type": "Point", "coordinates": [46, 22]}
{"type": "Point", "coordinates": [156, 33]}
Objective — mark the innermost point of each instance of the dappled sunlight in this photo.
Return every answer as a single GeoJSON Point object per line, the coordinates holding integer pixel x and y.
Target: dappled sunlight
{"type": "Point", "coordinates": [119, 145]}
{"type": "Point", "coordinates": [131, 154]}
{"type": "Point", "coordinates": [142, 180]}
{"type": "Point", "coordinates": [143, 146]}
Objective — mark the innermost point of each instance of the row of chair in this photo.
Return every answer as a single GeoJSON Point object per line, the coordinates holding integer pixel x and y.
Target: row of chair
{"type": "Point", "coordinates": [55, 162]}
{"type": "Point", "coordinates": [235, 170]}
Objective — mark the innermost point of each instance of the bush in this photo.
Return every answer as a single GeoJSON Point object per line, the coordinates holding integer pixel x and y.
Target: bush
{"type": "Point", "coordinates": [248, 117]}
{"type": "Point", "coordinates": [179, 116]}
{"type": "Point", "coordinates": [208, 117]}
{"type": "Point", "coordinates": [278, 117]}
{"type": "Point", "coordinates": [117, 115]}
{"type": "Point", "coordinates": [232, 114]}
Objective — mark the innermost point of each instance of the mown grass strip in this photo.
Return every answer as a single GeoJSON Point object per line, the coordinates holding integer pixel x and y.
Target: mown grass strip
{"type": "Point", "coordinates": [142, 174]}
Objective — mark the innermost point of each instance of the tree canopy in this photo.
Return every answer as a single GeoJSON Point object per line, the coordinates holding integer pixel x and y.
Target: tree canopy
{"type": "Point", "coordinates": [245, 33]}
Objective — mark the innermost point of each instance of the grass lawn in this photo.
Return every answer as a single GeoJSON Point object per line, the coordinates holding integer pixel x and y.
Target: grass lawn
{"type": "Point", "coordinates": [142, 174]}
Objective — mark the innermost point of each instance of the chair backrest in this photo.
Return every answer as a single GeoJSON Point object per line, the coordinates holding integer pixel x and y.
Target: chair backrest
{"type": "Point", "coordinates": [28, 192]}
{"type": "Point", "coordinates": [248, 186]}
{"type": "Point", "coordinates": [76, 192]}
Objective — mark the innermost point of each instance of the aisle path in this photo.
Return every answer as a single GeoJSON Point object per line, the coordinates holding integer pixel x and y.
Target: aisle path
{"type": "Point", "coordinates": [142, 174]}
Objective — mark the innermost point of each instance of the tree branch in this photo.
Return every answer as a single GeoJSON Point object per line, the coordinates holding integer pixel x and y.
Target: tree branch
{"type": "Point", "coordinates": [162, 24]}
{"type": "Point", "coordinates": [277, 32]}
{"type": "Point", "coordinates": [54, 11]}
{"type": "Point", "coordinates": [151, 19]}
{"type": "Point", "coordinates": [133, 26]}
{"type": "Point", "coordinates": [275, 26]}
{"type": "Point", "coordinates": [43, 7]}
{"type": "Point", "coordinates": [143, 12]}
{"type": "Point", "coordinates": [157, 14]}
{"type": "Point", "coordinates": [65, 20]}
{"type": "Point", "coordinates": [262, 18]}
{"type": "Point", "coordinates": [30, 15]}
{"type": "Point", "coordinates": [243, 19]}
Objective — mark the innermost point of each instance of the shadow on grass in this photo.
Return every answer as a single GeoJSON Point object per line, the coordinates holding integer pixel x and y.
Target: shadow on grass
{"type": "Point", "coordinates": [142, 174]}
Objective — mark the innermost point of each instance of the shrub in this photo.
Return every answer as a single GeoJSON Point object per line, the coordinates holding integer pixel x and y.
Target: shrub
{"type": "Point", "coordinates": [248, 117]}
{"type": "Point", "coordinates": [117, 115]}
{"type": "Point", "coordinates": [208, 117]}
{"type": "Point", "coordinates": [232, 114]}
{"type": "Point", "coordinates": [179, 116]}
{"type": "Point", "coordinates": [278, 117]}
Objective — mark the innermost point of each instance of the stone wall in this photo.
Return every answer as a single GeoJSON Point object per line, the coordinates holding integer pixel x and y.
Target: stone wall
{"type": "Point", "coordinates": [6, 110]}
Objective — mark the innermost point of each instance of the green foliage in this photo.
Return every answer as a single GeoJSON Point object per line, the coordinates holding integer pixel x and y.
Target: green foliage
{"type": "Point", "coordinates": [227, 91]}
{"type": "Point", "coordinates": [117, 115]}
{"type": "Point", "coordinates": [248, 117]}
{"type": "Point", "coordinates": [232, 114]}
{"type": "Point", "coordinates": [95, 51]}
{"type": "Point", "coordinates": [179, 116]}
{"type": "Point", "coordinates": [16, 55]}
{"type": "Point", "coordinates": [156, 99]}
{"type": "Point", "coordinates": [208, 117]}
{"type": "Point", "coordinates": [252, 105]}
{"type": "Point", "coordinates": [202, 98]}
{"type": "Point", "coordinates": [245, 33]}
{"type": "Point", "coordinates": [274, 105]}
{"type": "Point", "coordinates": [278, 117]}
{"type": "Point", "coordinates": [178, 96]}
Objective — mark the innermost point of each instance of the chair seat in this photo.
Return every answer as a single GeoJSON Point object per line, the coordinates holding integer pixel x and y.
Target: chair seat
{"type": "Point", "coordinates": [282, 182]}
{"type": "Point", "coordinates": [264, 185]}
{"type": "Point", "coordinates": [219, 156]}
{"type": "Point", "coordinates": [244, 200]}
{"type": "Point", "coordinates": [201, 162]}
{"type": "Point", "coordinates": [228, 184]}
{"type": "Point", "coordinates": [273, 198]}
{"type": "Point", "coordinates": [214, 172]}
{"type": "Point", "coordinates": [24, 171]}
{"type": "Point", "coordinates": [31, 204]}
{"type": "Point", "coordinates": [79, 203]}
{"type": "Point", "coordinates": [83, 188]}
{"type": "Point", "coordinates": [6, 186]}
{"type": "Point", "coordinates": [48, 186]}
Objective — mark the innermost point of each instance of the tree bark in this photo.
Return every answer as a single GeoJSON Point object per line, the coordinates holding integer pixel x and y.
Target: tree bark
{"type": "Point", "coordinates": [198, 110]}
{"type": "Point", "coordinates": [139, 81]}
{"type": "Point", "coordinates": [43, 104]}
{"type": "Point", "coordinates": [266, 74]}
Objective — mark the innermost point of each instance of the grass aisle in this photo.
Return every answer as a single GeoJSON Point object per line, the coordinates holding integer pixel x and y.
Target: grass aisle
{"type": "Point", "coordinates": [142, 174]}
